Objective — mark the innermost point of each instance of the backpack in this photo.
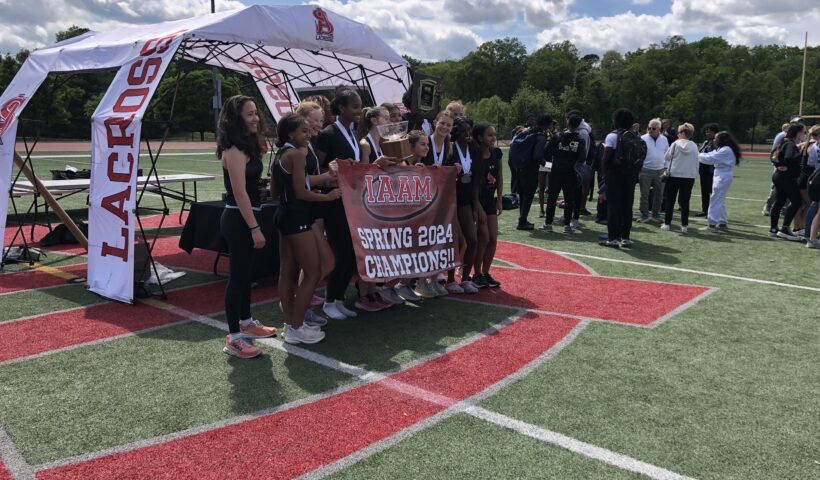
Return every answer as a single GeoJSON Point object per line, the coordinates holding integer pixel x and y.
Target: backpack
{"type": "Point", "coordinates": [61, 235]}
{"type": "Point", "coordinates": [630, 152]}
{"type": "Point", "coordinates": [813, 186]}
{"type": "Point", "coordinates": [521, 148]}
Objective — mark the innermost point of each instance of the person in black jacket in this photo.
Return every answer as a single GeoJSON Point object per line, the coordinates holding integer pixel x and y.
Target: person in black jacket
{"type": "Point", "coordinates": [527, 178]}
{"type": "Point", "coordinates": [566, 151]}
{"type": "Point", "coordinates": [785, 179]}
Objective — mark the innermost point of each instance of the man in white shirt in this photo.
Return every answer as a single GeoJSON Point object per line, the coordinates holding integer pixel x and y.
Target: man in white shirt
{"type": "Point", "coordinates": [653, 166]}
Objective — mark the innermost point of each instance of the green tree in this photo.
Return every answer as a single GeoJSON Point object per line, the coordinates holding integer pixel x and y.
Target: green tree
{"type": "Point", "coordinates": [492, 110]}
{"type": "Point", "coordinates": [495, 68]}
{"type": "Point", "coordinates": [71, 32]}
{"type": "Point", "coordinates": [552, 67]}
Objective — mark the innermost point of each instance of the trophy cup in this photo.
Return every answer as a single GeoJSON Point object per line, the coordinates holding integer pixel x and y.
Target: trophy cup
{"type": "Point", "coordinates": [394, 140]}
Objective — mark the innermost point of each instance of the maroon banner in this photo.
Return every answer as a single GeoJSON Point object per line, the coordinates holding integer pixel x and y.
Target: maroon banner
{"type": "Point", "coordinates": [402, 219]}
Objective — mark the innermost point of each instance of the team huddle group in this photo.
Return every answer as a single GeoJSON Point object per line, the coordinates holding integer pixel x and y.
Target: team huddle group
{"type": "Point", "coordinates": [315, 244]}
{"type": "Point", "coordinates": [314, 237]}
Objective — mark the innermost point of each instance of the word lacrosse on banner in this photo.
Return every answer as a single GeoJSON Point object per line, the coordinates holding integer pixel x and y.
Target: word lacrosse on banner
{"type": "Point", "coordinates": [402, 219]}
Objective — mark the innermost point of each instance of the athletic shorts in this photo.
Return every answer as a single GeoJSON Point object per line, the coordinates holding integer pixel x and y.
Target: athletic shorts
{"type": "Point", "coordinates": [803, 180]}
{"type": "Point", "coordinates": [488, 204]}
{"type": "Point", "coordinates": [293, 219]}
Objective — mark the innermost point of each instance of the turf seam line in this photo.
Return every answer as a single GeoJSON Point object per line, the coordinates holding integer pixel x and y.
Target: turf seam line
{"type": "Point", "coordinates": [576, 446]}
{"type": "Point", "coordinates": [683, 307]}
{"type": "Point", "coordinates": [13, 459]}
{"type": "Point", "coordinates": [699, 272]}
{"type": "Point", "coordinates": [547, 312]}
{"type": "Point", "coordinates": [637, 280]}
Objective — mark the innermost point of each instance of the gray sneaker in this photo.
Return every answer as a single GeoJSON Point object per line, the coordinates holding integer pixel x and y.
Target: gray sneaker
{"type": "Point", "coordinates": [814, 244]}
{"type": "Point", "coordinates": [546, 228]}
{"type": "Point", "coordinates": [569, 229]}
{"type": "Point", "coordinates": [303, 334]}
{"type": "Point", "coordinates": [407, 293]}
{"type": "Point", "coordinates": [314, 320]}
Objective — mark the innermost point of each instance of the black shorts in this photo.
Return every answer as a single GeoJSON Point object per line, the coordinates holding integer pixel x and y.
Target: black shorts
{"type": "Point", "coordinates": [488, 204]}
{"type": "Point", "coordinates": [464, 194]}
{"type": "Point", "coordinates": [293, 219]}
{"type": "Point", "coordinates": [318, 210]}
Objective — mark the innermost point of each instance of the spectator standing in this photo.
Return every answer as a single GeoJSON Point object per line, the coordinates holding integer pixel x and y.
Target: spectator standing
{"type": "Point", "coordinates": [653, 166]}
{"type": "Point", "coordinates": [725, 157]}
{"type": "Point", "coordinates": [527, 178]}
{"type": "Point", "coordinates": [785, 180]}
{"type": "Point", "coordinates": [682, 167]}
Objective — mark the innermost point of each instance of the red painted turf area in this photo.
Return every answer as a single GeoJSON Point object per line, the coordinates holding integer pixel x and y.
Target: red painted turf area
{"type": "Point", "coordinates": [616, 299]}
{"type": "Point", "coordinates": [296, 441]}
{"type": "Point", "coordinates": [31, 279]}
{"type": "Point", "coordinates": [168, 253]}
{"type": "Point", "coordinates": [538, 259]}
{"type": "Point", "coordinates": [4, 473]}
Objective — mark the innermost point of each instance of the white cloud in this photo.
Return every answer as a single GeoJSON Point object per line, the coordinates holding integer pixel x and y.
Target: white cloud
{"type": "Point", "coordinates": [641, 2]}
{"type": "Point", "coordinates": [743, 22]}
{"type": "Point", "coordinates": [33, 24]}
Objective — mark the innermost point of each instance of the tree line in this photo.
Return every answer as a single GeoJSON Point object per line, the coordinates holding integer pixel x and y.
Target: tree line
{"type": "Point", "coordinates": [748, 90]}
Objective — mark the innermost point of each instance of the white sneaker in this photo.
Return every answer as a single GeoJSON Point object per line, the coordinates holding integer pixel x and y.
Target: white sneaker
{"type": "Point", "coordinates": [814, 244]}
{"type": "Point", "coordinates": [454, 287]}
{"type": "Point", "coordinates": [407, 293]}
{"type": "Point", "coordinates": [439, 289]}
{"type": "Point", "coordinates": [684, 229]}
{"type": "Point", "coordinates": [440, 277]}
{"type": "Point", "coordinates": [333, 312]}
{"type": "Point", "coordinates": [425, 290]}
{"type": "Point", "coordinates": [469, 287]}
{"type": "Point", "coordinates": [303, 335]}
{"type": "Point", "coordinates": [390, 296]}
{"type": "Point", "coordinates": [340, 306]}
{"type": "Point", "coordinates": [665, 227]}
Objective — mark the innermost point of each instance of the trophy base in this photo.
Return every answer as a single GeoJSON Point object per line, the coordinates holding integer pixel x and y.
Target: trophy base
{"type": "Point", "coordinates": [399, 149]}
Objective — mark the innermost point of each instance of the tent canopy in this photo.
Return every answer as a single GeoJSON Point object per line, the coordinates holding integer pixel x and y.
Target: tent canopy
{"type": "Point", "coordinates": [287, 50]}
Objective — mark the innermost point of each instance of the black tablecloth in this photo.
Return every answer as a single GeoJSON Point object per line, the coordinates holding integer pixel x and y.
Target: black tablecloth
{"type": "Point", "coordinates": [202, 231]}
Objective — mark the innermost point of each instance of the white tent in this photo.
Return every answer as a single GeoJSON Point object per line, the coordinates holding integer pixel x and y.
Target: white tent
{"type": "Point", "coordinates": [286, 50]}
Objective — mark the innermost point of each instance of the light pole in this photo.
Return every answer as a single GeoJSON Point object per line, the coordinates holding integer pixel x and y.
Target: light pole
{"type": "Point", "coordinates": [217, 97]}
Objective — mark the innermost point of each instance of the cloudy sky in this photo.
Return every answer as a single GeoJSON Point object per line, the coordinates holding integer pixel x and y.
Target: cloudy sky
{"type": "Point", "coordinates": [442, 29]}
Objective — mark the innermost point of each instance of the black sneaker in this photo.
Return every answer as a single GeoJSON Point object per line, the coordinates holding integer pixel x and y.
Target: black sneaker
{"type": "Point", "coordinates": [700, 214]}
{"type": "Point", "coordinates": [525, 226]}
{"type": "Point", "coordinates": [585, 212]}
{"type": "Point", "coordinates": [491, 281]}
{"type": "Point", "coordinates": [480, 281]}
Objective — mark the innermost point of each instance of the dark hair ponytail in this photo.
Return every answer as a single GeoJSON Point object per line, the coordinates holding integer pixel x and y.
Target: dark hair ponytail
{"type": "Point", "coordinates": [344, 95]}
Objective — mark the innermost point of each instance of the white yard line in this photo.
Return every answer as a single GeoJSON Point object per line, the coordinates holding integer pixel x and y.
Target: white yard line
{"type": "Point", "coordinates": [689, 270]}
{"type": "Point", "coordinates": [14, 461]}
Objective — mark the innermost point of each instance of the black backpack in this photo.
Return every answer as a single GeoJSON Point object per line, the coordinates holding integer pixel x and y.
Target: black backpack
{"type": "Point", "coordinates": [521, 148]}
{"type": "Point", "coordinates": [813, 186]}
{"type": "Point", "coordinates": [630, 152]}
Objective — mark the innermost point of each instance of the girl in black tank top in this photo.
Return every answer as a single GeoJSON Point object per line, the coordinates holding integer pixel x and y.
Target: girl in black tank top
{"type": "Point", "coordinates": [487, 196]}
{"type": "Point", "coordinates": [239, 142]}
{"type": "Point", "coordinates": [463, 156]}
{"type": "Point", "coordinates": [297, 242]}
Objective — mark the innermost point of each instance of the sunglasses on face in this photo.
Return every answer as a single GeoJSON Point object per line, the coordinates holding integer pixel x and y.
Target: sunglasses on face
{"type": "Point", "coordinates": [653, 128]}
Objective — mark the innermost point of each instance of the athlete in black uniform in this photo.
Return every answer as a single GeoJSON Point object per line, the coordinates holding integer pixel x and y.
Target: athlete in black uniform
{"type": "Point", "coordinates": [487, 201]}
{"type": "Point", "coordinates": [294, 219]}
{"type": "Point", "coordinates": [336, 142]}
{"type": "Point", "coordinates": [463, 151]}
{"type": "Point", "coordinates": [239, 145]}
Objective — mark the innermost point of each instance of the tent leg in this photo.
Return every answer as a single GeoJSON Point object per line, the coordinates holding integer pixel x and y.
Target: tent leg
{"type": "Point", "coordinates": [67, 221]}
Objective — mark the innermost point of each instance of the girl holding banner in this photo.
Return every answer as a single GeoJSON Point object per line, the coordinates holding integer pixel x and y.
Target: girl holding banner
{"type": "Point", "coordinates": [487, 202]}
{"type": "Point", "coordinates": [239, 147]}
{"type": "Point", "coordinates": [294, 219]}
{"type": "Point", "coordinates": [371, 298]}
{"type": "Point", "coordinates": [338, 141]}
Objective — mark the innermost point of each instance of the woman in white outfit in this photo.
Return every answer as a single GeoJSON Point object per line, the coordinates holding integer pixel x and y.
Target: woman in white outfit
{"type": "Point", "coordinates": [682, 164]}
{"type": "Point", "coordinates": [725, 156]}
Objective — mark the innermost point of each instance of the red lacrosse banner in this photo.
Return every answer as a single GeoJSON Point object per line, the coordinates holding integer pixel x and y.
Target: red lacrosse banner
{"type": "Point", "coordinates": [402, 219]}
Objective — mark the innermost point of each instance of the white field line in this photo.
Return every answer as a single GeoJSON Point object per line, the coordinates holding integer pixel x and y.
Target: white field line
{"type": "Point", "coordinates": [698, 272]}
{"type": "Point", "coordinates": [470, 407]}
{"type": "Point", "coordinates": [14, 461]}
{"type": "Point", "coordinates": [363, 377]}
{"type": "Point", "coordinates": [586, 449]}
{"type": "Point", "coordinates": [88, 155]}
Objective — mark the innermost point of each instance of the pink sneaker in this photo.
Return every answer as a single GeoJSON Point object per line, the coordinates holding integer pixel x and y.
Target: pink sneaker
{"type": "Point", "coordinates": [240, 348]}
{"type": "Point", "coordinates": [369, 304]}
{"type": "Point", "coordinates": [316, 301]}
{"type": "Point", "coordinates": [256, 330]}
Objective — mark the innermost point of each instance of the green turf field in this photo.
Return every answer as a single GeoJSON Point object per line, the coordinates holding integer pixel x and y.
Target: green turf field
{"type": "Point", "coordinates": [727, 388]}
